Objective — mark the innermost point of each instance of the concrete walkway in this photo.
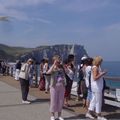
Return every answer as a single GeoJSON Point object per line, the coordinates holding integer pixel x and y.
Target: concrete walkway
{"type": "Point", "coordinates": [11, 107]}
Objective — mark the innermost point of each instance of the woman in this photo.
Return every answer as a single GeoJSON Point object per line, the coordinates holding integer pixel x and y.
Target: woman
{"type": "Point", "coordinates": [88, 81]}
{"type": "Point", "coordinates": [42, 77]}
{"type": "Point", "coordinates": [24, 80]}
{"type": "Point", "coordinates": [96, 87]}
{"type": "Point", "coordinates": [57, 87]}
{"type": "Point", "coordinates": [46, 76]}
{"type": "Point", "coordinates": [69, 72]}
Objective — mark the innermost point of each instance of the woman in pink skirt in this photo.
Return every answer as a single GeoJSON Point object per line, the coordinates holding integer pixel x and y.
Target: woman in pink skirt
{"type": "Point", "coordinates": [57, 87]}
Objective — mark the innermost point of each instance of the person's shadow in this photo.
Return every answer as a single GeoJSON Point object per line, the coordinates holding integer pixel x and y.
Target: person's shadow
{"type": "Point", "coordinates": [39, 101]}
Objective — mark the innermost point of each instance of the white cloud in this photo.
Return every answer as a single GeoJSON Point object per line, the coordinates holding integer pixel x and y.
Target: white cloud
{"type": "Point", "coordinates": [9, 8]}
{"type": "Point", "coordinates": [12, 3]}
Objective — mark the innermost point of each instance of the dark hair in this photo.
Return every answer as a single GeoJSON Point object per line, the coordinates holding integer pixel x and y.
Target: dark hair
{"type": "Point", "coordinates": [84, 61]}
{"type": "Point", "coordinates": [70, 57]}
{"type": "Point", "coordinates": [89, 61]}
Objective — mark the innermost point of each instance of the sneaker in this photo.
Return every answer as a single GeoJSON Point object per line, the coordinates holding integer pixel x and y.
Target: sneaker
{"type": "Point", "coordinates": [26, 102]}
{"type": "Point", "coordinates": [81, 95]}
{"type": "Point", "coordinates": [101, 118]}
{"type": "Point", "coordinates": [88, 115]}
{"type": "Point", "coordinates": [52, 118]}
{"type": "Point", "coordinates": [60, 118]}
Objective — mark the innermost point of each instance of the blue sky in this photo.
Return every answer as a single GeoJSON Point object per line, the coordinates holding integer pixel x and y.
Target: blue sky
{"type": "Point", "coordinates": [92, 23]}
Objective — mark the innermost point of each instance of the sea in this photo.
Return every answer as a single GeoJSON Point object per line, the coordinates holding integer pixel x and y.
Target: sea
{"type": "Point", "coordinates": [113, 70]}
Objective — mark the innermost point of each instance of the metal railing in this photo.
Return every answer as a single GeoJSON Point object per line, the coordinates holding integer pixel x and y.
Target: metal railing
{"type": "Point", "coordinates": [112, 94]}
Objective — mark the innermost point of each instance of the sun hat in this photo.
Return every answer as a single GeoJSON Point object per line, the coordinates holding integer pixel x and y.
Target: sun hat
{"type": "Point", "coordinates": [30, 60]}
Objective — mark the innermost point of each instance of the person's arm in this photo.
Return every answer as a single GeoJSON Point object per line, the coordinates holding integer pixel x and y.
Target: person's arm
{"type": "Point", "coordinates": [51, 68]}
{"type": "Point", "coordinates": [97, 74]}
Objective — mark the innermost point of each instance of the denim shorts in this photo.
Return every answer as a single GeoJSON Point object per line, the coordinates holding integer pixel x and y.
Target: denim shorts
{"type": "Point", "coordinates": [89, 95]}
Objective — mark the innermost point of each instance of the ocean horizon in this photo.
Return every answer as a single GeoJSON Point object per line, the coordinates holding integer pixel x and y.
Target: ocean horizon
{"type": "Point", "coordinates": [113, 70]}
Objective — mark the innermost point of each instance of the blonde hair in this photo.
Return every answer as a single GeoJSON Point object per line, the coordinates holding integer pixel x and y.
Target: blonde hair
{"type": "Point", "coordinates": [97, 60]}
{"type": "Point", "coordinates": [55, 57]}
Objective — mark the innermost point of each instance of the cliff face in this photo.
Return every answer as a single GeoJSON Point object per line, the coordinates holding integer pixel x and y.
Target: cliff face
{"type": "Point", "coordinates": [48, 51]}
{"type": "Point", "coordinates": [12, 53]}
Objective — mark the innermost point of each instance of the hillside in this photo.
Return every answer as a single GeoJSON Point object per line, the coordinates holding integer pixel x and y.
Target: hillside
{"type": "Point", "coordinates": [12, 53]}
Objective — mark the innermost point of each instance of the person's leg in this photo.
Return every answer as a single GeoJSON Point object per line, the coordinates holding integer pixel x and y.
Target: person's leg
{"type": "Point", "coordinates": [53, 101]}
{"type": "Point", "coordinates": [67, 92]}
{"type": "Point", "coordinates": [78, 91]}
{"type": "Point", "coordinates": [91, 106]}
{"type": "Point", "coordinates": [92, 102]}
{"type": "Point", "coordinates": [70, 88]}
{"type": "Point", "coordinates": [89, 97]}
{"type": "Point", "coordinates": [23, 88]}
{"type": "Point", "coordinates": [61, 100]}
{"type": "Point", "coordinates": [98, 103]}
{"type": "Point", "coordinates": [26, 88]}
{"type": "Point", "coordinates": [99, 106]}
{"type": "Point", "coordinates": [46, 84]}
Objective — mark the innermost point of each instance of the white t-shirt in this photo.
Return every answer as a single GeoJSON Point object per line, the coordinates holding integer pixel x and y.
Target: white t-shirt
{"type": "Point", "coordinates": [70, 73]}
{"type": "Point", "coordinates": [96, 85]}
{"type": "Point", "coordinates": [87, 74]}
{"type": "Point", "coordinates": [45, 67]}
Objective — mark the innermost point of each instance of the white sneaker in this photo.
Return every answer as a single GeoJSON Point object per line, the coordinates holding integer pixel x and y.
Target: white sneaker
{"type": "Point", "coordinates": [101, 118]}
{"type": "Point", "coordinates": [60, 118]}
{"type": "Point", "coordinates": [52, 118]}
{"type": "Point", "coordinates": [88, 115]}
{"type": "Point", "coordinates": [81, 95]}
{"type": "Point", "coordinates": [26, 102]}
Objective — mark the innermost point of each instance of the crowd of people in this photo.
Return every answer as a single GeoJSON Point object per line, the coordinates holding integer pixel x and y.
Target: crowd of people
{"type": "Point", "coordinates": [57, 79]}
{"type": "Point", "coordinates": [89, 86]}
{"type": "Point", "coordinates": [4, 68]}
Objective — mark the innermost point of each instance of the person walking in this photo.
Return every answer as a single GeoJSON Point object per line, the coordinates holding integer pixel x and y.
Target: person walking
{"type": "Point", "coordinates": [24, 80]}
{"type": "Point", "coordinates": [57, 87]}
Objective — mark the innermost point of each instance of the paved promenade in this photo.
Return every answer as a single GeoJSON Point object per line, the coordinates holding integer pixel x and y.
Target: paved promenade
{"type": "Point", "coordinates": [11, 107]}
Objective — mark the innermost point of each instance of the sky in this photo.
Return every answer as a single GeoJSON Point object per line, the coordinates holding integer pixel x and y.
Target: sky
{"type": "Point", "coordinates": [95, 24]}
